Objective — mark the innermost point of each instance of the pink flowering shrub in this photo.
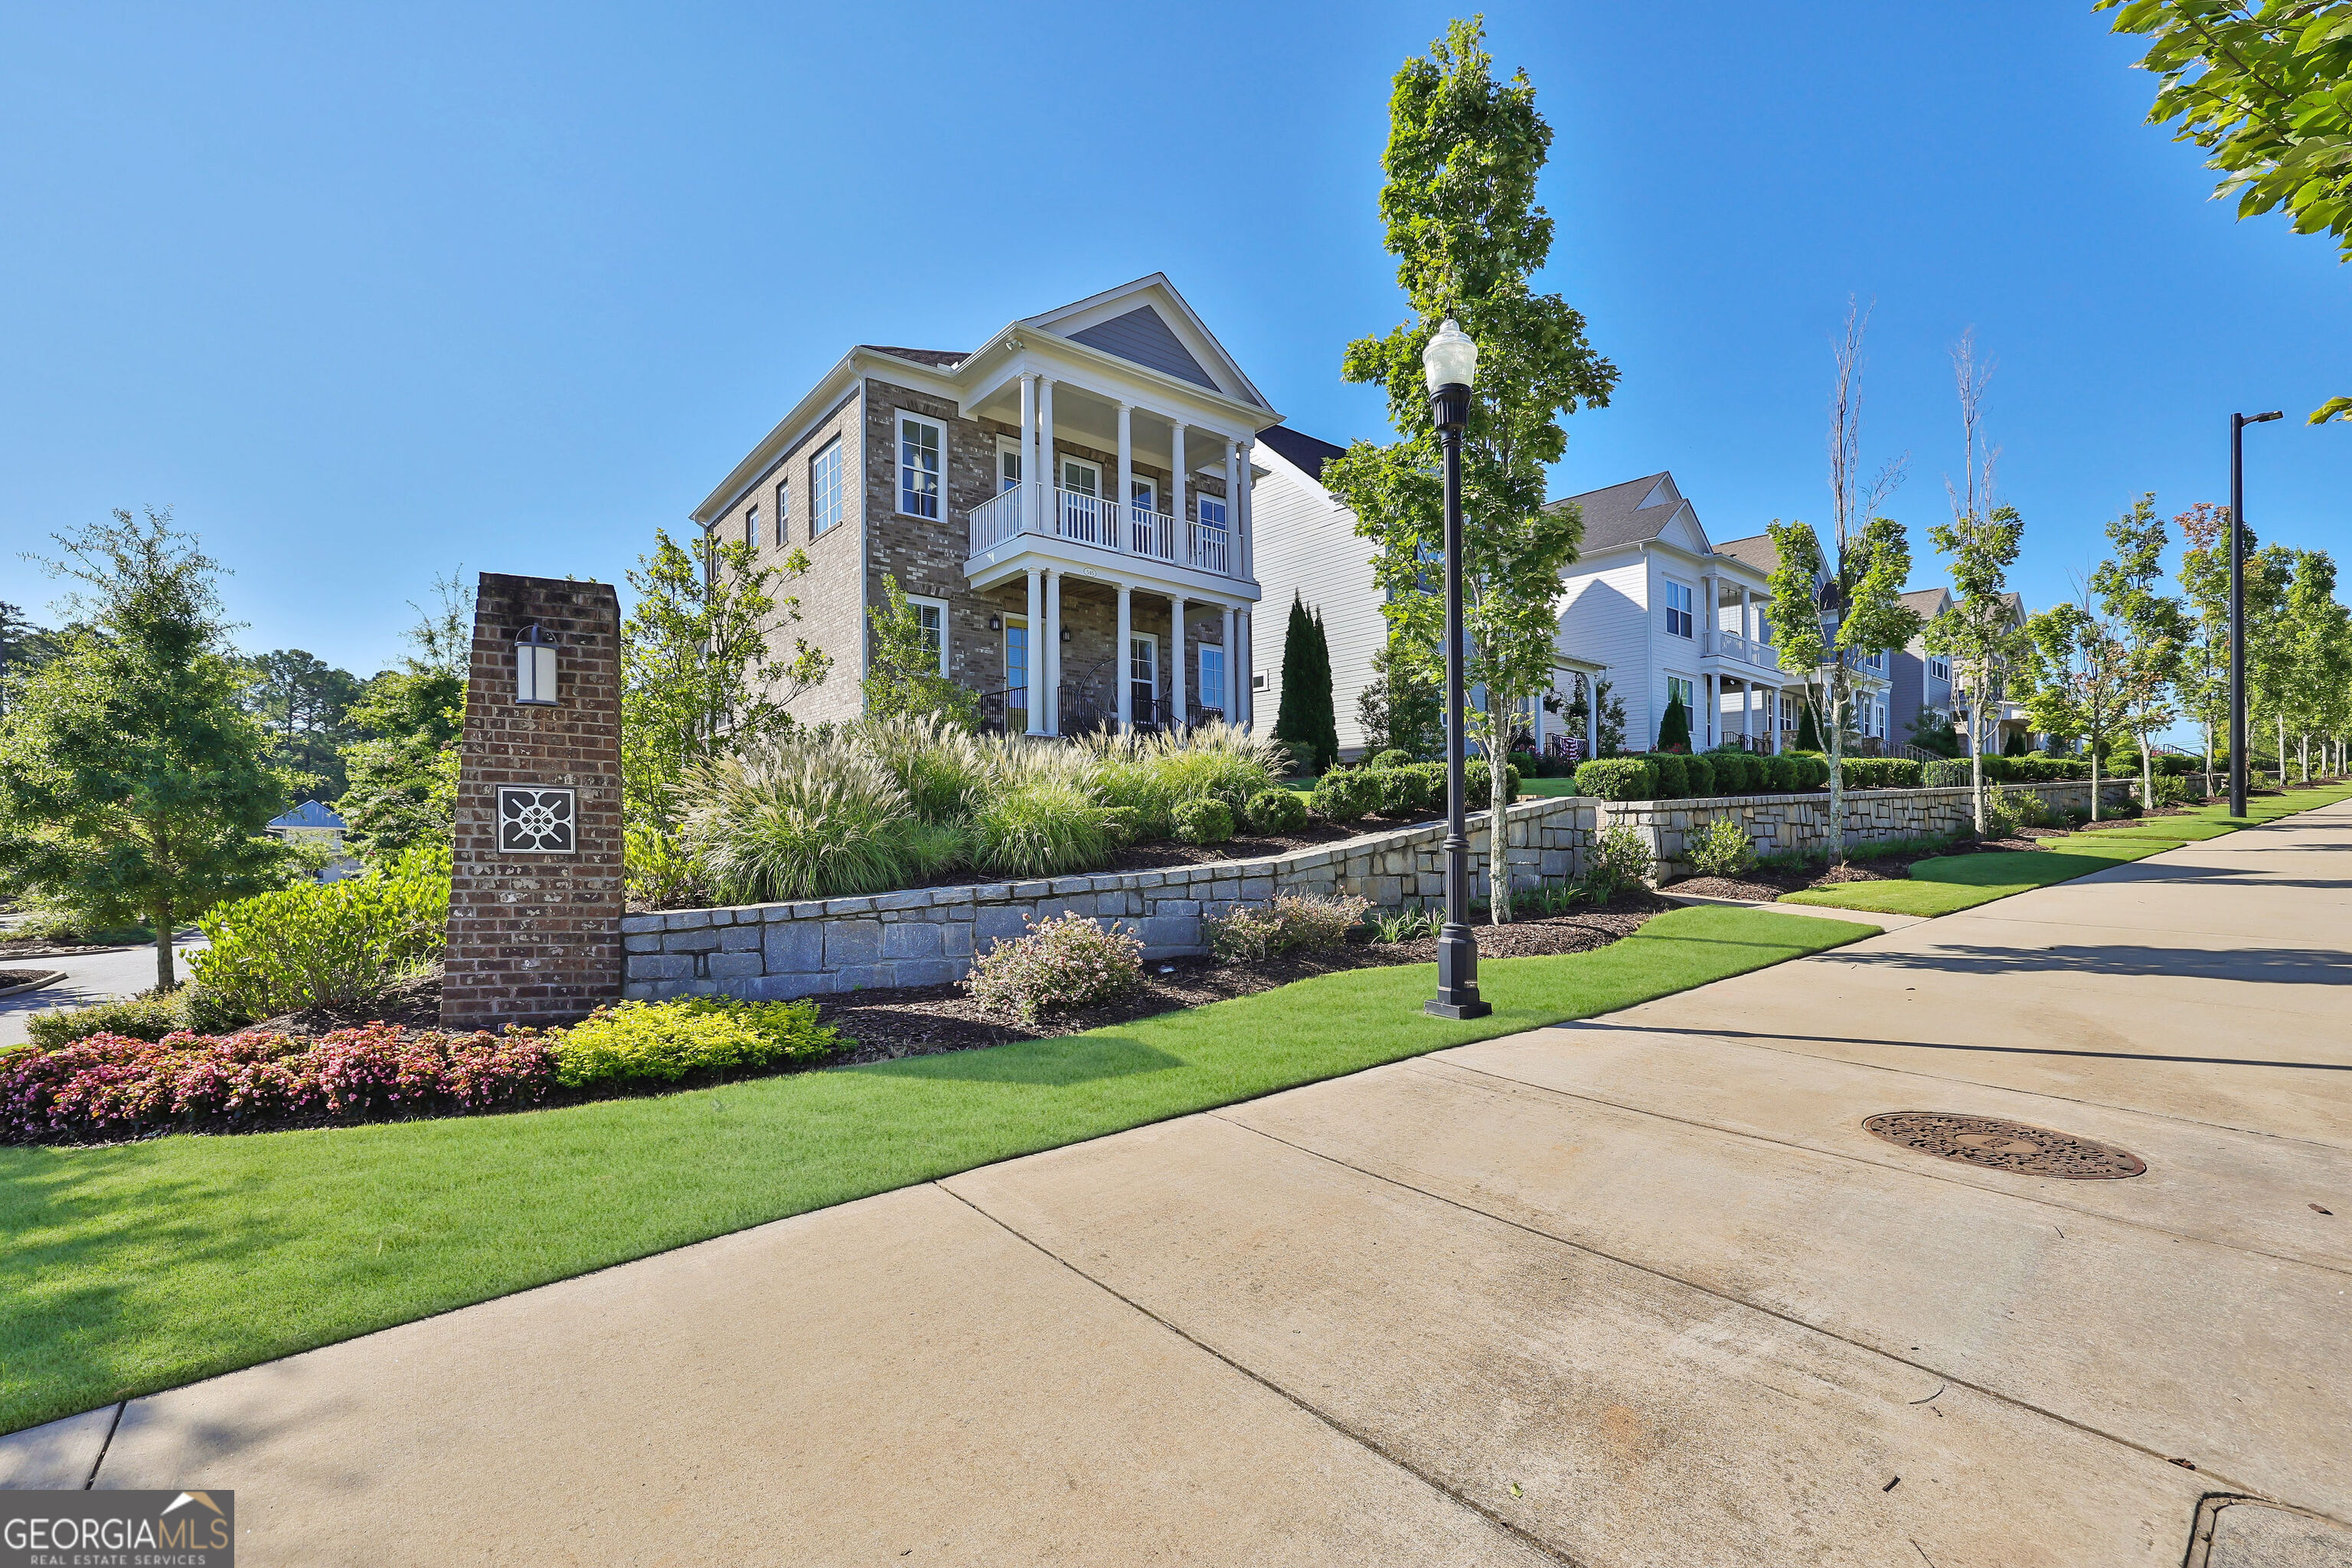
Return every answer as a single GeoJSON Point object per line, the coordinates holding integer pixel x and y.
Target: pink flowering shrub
{"type": "Point", "coordinates": [1065, 961]}
{"type": "Point", "coordinates": [109, 1085]}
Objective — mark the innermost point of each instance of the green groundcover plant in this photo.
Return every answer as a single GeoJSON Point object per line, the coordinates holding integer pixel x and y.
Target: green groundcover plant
{"type": "Point", "coordinates": [662, 1042]}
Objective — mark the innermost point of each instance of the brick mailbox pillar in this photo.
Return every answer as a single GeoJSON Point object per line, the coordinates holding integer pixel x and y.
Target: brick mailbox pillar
{"type": "Point", "coordinates": [535, 899]}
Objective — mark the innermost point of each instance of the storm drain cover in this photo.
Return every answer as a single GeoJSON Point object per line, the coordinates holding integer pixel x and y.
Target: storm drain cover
{"type": "Point", "coordinates": [2000, 1145]}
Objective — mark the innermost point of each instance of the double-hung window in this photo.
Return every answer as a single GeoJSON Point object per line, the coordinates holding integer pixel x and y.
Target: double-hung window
{"type": "Point", "coordinates": [783, 513]}
{"type": "Point", "coordinates": [1213, 676]}
{"type": "Point", "coordinates": [922, 466]}
{"type": "Point", "coordinates": [1679, 620]}
{"type": "Point", "coordinates": [1677, 687]}
{"type": "Point", "coordinates": [751, 526]}
{"type": "Point", "coordinates": [824, 489]}
{"type": "Point", "coordinates": [931, 615]}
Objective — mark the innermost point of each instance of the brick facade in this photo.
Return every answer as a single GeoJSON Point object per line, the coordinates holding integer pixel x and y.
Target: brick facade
{"type": "Point", "coordinates": [535, 938]}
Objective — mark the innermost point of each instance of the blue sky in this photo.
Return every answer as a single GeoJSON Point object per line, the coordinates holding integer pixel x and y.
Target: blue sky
{"type": "Point", "coordinates": [365, 293]}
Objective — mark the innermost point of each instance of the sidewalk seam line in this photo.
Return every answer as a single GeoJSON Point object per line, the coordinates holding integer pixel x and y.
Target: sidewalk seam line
{"type": "Point", "coordinates": [1891, 1168]}
{"type": "Point", "coordinates": [105, 1443]}
{"type": "Point", "coordinates": [1657, 1273]}
{"type": "Point", "coordinates": [1358, 1439]}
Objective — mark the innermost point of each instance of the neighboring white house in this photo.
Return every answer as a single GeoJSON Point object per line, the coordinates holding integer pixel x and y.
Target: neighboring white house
{"type": "Point", "coordinates": [1307, 547]}
{"type": "Point", "coordinates": [1668, 611]}
{"type": "Point", "coordinates": [314, 821]}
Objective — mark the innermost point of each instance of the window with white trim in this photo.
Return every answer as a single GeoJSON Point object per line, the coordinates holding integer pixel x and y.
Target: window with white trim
{"type": "Point", "coordinates": [751, 526]}
{"type": "Point", "coordinates": [1677, 686]}
{"type": "Point", "coordinates": [1212, 511]}
{"type": "Point", "coordinates": [922, 466]}
{"type": "Point", "coordinates": [1213, 676]}
{"type": "Point", "coordinates": [1008, 464]}
{"type": "Point", "coordinates": [1941, 668]}
{"type": "Point", "coordinates": [783, 513]}
{"type": "Point", "coordinates": [933, 614]}
{"type": "Point", "coordinates": [824, 489]}
{"type": "Point", "coordinates": [1679, 620]}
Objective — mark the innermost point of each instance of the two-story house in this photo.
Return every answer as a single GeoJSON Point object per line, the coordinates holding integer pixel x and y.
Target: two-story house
{"type": "Point", "coordinates": [1922, 680]}
{"type": "Point", "coordinates": [1067, 506]}
{"type": "Point", "coordinates": [2004, 720]}
{"type": "Point", "coordinates": [1672, 614]}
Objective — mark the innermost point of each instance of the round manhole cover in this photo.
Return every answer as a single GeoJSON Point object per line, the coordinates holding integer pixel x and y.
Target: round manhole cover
{"type": "Point", "coordinates": [2004, 1145]}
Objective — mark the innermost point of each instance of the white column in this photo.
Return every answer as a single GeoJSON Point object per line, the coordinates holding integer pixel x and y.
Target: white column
{"type": "Point", "coordinates": [1592, 717]}
{"type": "Point", "coordinates": [1052, 653]}
{"type": "Point", "coordinates": [1233, 513]}
{"type": "Point", "coordinates": [1747, 622]}
{"type": "Point", "coordinates": [1122, 531]}
{"type": "Point", "coordinates": [1245, 514]}
{"type": "Point", "coordinates": [1708, 587]}
{"type": "Point", "coordinates": [1121, 672]}
{"type": "Point", "coordinates": [1180, 548]}
{"type": "Point", "coordinates": [1033, 511]}
{"type": "Point", "coordinates": [1178, 709]}
{"type": "Point", "coordinates": [1037, 672]}
{"type": "Point", "coordinates": [1046, 479]}
{"type": "Point", "coordinates": [1747, 696]}
{"type": "Point", "coordinates": [1231, 703]}
{"type": "Point", "coordinates": [1713, 710]}
{"type": "Point", "coordinates": [1246, 686]}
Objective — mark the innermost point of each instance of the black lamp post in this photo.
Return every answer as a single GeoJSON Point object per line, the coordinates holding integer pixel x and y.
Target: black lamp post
{"type": "Point", "coordinates": [1451, 364]}
{"type": "Point", "coordinates": [2238, 423]}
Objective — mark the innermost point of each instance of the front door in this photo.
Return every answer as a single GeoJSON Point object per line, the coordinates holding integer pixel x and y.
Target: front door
{"type": "Point", "coordinates": [1016, 674]}
{"type": "Point", "coordinates": [1143, 678]}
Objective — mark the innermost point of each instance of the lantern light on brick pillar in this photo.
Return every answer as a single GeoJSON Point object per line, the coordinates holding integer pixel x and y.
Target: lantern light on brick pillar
{"type": "Point", "coordinates": [534, 668]}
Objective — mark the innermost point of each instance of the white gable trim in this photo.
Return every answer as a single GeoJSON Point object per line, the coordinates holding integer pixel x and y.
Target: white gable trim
{"type": "Point", "coordinates": [1179, 316]}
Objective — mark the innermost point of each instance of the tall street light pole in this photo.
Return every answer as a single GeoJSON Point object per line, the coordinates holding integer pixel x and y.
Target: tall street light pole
{"type": "Point", "coordinates": [1451, 362]}
{"type": "Point", "coordinates": [2238, 423]}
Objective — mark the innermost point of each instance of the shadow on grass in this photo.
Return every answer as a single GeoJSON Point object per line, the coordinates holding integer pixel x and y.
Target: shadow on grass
{"type": "Point", "coordinates": [1053, 1063]}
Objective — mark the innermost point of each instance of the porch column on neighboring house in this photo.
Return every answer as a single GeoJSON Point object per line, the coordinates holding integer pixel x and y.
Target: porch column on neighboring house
{"type": "Point", "coordinates": [1227, 699]}
{"type": "Point", "coordinates": [1712, 588]}
{"type": "Point", "coordinates": [1180, 711]}
{"type": "Point", "coordinates": [1591, 716]}
{"type": "Point", "coordinates": [1121, 511]}
{"type": "Point", "coordinates": [1033, 511]}
{"type": "Point", "coordinates": [1248, 522]}
{"type": "Point", "coordinates": [1748, 626]}
{"type": "Point", "coordinates": [1122, 659]}
{"type": "Point", "coordinates": [1033, 678]}
{"type": "Point", "coordinates": [1233, 519]}
{"type": "Point", "coordinates": [1180, 547]}
{"type": "Point", "coordinates": [1747, 697]}
{"type": "Point", "coordinates": [1054, 653]}
{"type": "Point", "coordinates": [1049, 504]}
{"type": "Point", "coordinates": [1247, 683]}
{"type": "Point", "coordinates": [1713, 708]}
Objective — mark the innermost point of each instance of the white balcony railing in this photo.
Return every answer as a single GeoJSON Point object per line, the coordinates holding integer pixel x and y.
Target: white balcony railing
{"type": "Point", "coordinates": [1750, 650]}
{"type": "Point", "coordinates": [1095, 521]}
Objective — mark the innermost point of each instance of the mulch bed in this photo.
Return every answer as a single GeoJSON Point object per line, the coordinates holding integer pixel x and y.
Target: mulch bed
{"type": "Point", "coordinates": [10, 978]}
{"type": "Point", "coordinates": [35, 947]}
{"type": "Point", "coordinates": [929, 1020]}
{"type": "Point", "coordinates": [414, 1004]}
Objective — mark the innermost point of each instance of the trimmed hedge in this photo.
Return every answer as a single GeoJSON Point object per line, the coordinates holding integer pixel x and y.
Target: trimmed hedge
{"type": "Point", "coordinates": [1617, 778]}
{"type": "Point", "coordinates": [1476, 784]}
{"type": "Point", "coordinates": [1674, 774]}
{"type": "Point", "coordinates": [1881, 772]}
{"type": "Point", "coordinates": [1703, 781]}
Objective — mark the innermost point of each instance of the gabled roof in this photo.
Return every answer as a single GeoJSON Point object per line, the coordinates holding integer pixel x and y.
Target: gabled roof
{"type": "Point", "coordinates": [1631, 513]}
{"type": "Point", "coordinates": [310, 814]}
{"type": "Point", "coordinates": [1756, 551]}
{"type": "Point", "coordinates": [938, 359]}
{"type": "Point", "coordinates": [1926, 601]}
{"type": "Point", "coordinates": [1146, 322]}
{"type": "Point", "coordinates": [1302, 452]}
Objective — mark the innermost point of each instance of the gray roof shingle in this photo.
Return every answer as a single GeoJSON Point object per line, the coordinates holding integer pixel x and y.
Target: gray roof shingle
{"type": "Point", "coordinates": [1303, 451]}
{"type": "Point", "coordinates": [1756, 551]}
{"type": "Point", "coordinates": [945, 359]}
{"type": "Point", "coordinates": [1615, 515]}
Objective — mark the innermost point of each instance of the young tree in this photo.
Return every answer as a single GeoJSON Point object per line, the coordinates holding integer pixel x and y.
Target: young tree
{"type": "Point", "coordinates": [133, 785]}
{"type": "Point", "coordinates": [2074, 678]}
{"type": "Point", "coordinates": [1978, 632]}
{"type": "Point", "coordinates": [699, 670]}
{"type": "Point", "coordinates": [2262, 88]}
{"type": "Point", "coordinates": [1831, 608]}
{"type": "Point", "coordinates": [2314, 648]}
{"type": "Point", "coordinates": [1305, 721]}
{"type": "Point", "coordinates": [2204, 679]}
{"type": "Point", "coordinates": [2270, 649]}
{"type": "Point", "coordinates": [1400, 708]}
{"type": "Point", "coordinates": [401, 776]}
{"type": "Point", "coordinates": [1609, 733]}
{"type": "Point", "coordinates": [1674, 730]}
{"type": "Point", "coordinates": [1463, 157]}
{"type": "Point", "coordinates": [2150, 626]}
{"type": "Point", "coordinates": [903, 679]}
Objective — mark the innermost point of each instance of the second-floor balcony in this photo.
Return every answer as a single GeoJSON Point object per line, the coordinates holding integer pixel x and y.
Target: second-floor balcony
{"type": "Point", "coordinates": [1101, 523]}
{"type": "Point", "coordinates": [1748, 651]}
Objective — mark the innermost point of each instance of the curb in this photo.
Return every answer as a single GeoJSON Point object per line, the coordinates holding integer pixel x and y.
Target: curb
{"type": "Point", "coordinates": [46, 977]}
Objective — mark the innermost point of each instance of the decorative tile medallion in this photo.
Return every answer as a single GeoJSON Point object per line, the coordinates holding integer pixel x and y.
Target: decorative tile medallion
{"type": "Point", "coordinates": [535, 821]}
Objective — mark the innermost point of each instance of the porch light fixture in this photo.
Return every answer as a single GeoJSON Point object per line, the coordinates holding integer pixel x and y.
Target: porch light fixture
{"type": "Point", "coordinates": [1451, 362]}
{"type": "Point", "coordinates": [996, 623]}
{"type": "Point", "coordinates": [534, 668]}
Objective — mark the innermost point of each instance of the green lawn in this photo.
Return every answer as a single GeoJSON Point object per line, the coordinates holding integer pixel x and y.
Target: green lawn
{"type": "Point", "coordinates": [142, 1267]}
{"type": "Point", "coordinates": [1547, 788]}
{"type": "Point", "coordinates": [1953, 883]}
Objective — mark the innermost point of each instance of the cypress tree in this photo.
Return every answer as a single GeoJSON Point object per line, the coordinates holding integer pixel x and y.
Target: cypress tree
{"type": "Point", "coordinates": [1809, 733]}
{"type": "Point", "coordinates": [1674, 730]}
{"type": "Point", "coordinates": [1293, 720]}
{"type": "Point", "coordinates": [1327, 708]}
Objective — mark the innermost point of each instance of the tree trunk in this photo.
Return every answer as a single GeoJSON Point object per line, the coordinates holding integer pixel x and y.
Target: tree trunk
{"type": "Point", "coordinates": [1976, 750]}
{"type": "Point", "coordinates": [2303, 755]}
{"type": "Point", "coordinates": [164, 977]}
{"type": "Point", "coordinates": [1837, 781]}
{"type": "Point", "coordinates": [1498, 830]}
{"type": "Point", "coordinates": [2095, 775]}
{"type": "Point", "coordinates": [2282, 747]}
{"type": "Point", "coordinates": [2147, 775]}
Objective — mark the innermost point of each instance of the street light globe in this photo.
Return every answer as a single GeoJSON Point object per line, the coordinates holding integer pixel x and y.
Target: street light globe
{"type": "Point", "coordinates": [1450, 359]}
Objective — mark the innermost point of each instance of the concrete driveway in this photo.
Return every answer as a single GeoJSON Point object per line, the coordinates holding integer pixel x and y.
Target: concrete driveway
{"type": "Point", "coordinates": [1637, 1290]}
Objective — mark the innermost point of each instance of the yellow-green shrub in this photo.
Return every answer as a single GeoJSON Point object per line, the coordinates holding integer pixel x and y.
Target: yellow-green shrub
{"type": "Point", "coordinates": [662, 1042]}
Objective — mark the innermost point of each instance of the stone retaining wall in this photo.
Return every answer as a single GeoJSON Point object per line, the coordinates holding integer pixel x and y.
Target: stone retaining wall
{"type": "Point", "coordinates": [927, 936]}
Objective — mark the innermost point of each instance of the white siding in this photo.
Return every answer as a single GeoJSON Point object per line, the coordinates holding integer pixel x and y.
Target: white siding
{"type": "Point", "coordinates": [1604, 615]}
{"type": "Point", "coordinates": [1307, 545]}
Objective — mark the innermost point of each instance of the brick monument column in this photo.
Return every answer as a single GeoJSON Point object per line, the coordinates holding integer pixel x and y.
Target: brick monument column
{"type": "Point", "coordinates": [535, 897]}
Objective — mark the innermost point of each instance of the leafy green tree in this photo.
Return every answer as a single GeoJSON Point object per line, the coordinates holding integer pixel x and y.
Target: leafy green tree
{"type": "Point", "coordinates": [1931, 730]}
{"type": "Point", "coordinates": [903, 679]}
{"type": "Point", "coordinates": [1463, 157]}
{"type": "Point", "coordinates": [2264, 87]}
{"type": "Point", "coordinates": [1609, 735]}
{"type": "Point", "coordinates": [133, 785]}
{"type": "Point", "coordinates": [1979, 630]}
{"type": "Point", "coordinates": [2270, 676]}
{"type": "Point", "coordinates": [2150, 626]}
{"type": "Point", "coordinates": [1400, 708]}
{"type": "Point", "coordinates": [304, 703]}
{"type": "Point", "coordinates": [699, 673]}
{"type": "Point", "coordinates": [2314, 648]}
{"type": "Point", "coordinates": [401, 775]}
{"type": "Point", "coordinates": [2074, 680]}
{"type": "Point", "coordinates": [24, 647]}
{"type": "Point", "coordinates": [2204, 678]}
{"type": "Point", "coordinates": [1674, 730]}
{"type": "Point", "coordinates": [1833, 608]}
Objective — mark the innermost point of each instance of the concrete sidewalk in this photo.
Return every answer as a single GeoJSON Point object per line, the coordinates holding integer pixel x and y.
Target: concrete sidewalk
{"type": "Point", "coordinates": [1636, 1291]}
